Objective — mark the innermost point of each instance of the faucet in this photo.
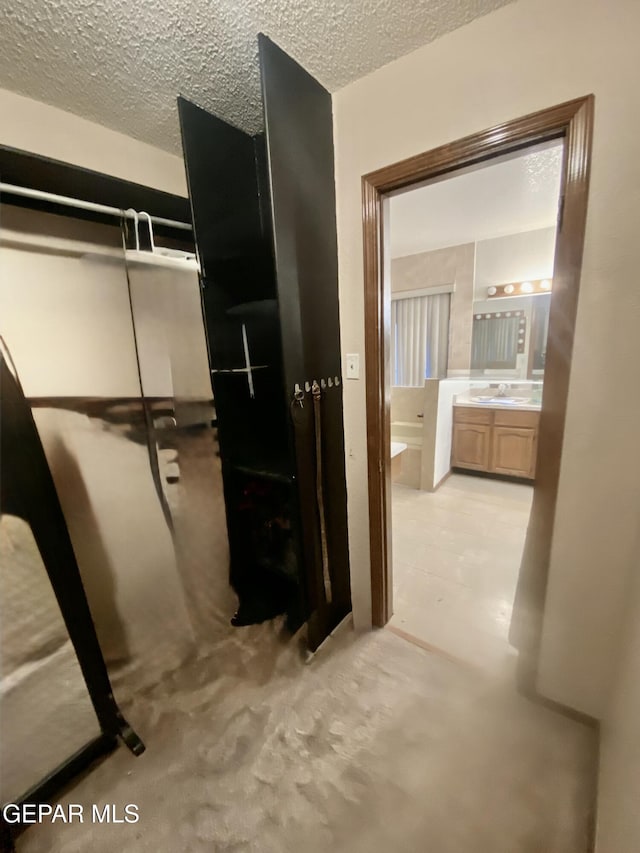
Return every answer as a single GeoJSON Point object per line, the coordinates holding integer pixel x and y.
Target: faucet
{"type": "Point", "coordinates": [502, 390]}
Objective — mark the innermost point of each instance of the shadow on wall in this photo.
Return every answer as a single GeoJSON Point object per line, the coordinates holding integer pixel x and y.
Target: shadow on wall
{"type": "Point", "coordinates": [96, 568]}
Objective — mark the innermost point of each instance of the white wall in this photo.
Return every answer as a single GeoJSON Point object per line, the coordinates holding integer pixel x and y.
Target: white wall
{"type": "Point", "coordinates": [524, 57]}
{"type": "Point", "coordinates": [170, 333]}
{"type": "Point", "coordinates": [67, 320]}
{"type": "Point", "coordinates": [122, 543]}
{"type": "Point", "coordinates": [40, 129]}
{"type": "Point", "coordinates": [516, 257]}
{"type": "Point", "coordinates": [618, 825]}
{"type": "Point", "coordinates": [82, 290]}
{"type": "Point", "coordinates": [67, 323]}
{"type": "Point", "coordinates": [447, 390]}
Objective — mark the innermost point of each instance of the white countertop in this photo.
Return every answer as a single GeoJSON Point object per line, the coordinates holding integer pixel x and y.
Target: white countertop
{"type": "Point", "coordinates": [494, 404]}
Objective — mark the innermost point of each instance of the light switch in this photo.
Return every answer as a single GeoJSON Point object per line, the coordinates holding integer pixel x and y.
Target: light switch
{"type": "Point", "coordinates": [353, 365]}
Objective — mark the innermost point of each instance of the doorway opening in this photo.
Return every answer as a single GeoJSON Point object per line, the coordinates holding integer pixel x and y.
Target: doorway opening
{"type": "Point", "coordinates": [492, 394]}
{"type": "Point", "coordinates": [471, 287]}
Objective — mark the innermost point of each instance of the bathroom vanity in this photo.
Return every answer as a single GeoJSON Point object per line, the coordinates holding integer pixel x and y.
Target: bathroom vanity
{"type": "Point", "coordinates": [494, 437]}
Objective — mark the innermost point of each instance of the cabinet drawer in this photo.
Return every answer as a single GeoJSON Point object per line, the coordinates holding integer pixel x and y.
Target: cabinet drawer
{"type": "Point", "coordinates": [469, 415]}
{"type": "Point", "coordinates": [516, 419]}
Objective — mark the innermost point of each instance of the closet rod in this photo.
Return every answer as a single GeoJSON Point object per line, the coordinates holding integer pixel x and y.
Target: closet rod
{"type": "Point", "coordinates": [87, 205]}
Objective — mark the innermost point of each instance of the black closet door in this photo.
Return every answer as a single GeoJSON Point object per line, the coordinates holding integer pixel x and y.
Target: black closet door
{"type": "Point", "coordinates": [226, 171]}
{"type": "Point", "coordinates": [300, 158]}
{"type": "Point", "coordinates": [237, 273]}
{"type": "Point", "coordinates": [220, 166]}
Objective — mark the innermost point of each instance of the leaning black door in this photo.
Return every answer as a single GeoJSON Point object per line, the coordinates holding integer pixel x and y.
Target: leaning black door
{"type": "Point", "coordinates": [299, 136]}
{"type": "Point", "coordinates": [225, 169]}
{"type": "Point", "coordinates": [237, 280]}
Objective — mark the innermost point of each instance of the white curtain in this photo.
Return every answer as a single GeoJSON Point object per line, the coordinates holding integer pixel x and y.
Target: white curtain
{"type": "Point", "coordinates": [419, 338]}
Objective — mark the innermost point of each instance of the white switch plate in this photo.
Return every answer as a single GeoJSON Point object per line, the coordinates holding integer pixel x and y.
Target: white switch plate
{"type": "Point", "coordinates": [353, 365]}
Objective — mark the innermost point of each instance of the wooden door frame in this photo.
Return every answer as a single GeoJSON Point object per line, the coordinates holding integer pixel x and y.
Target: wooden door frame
{"type": "Point", "coordinates": [572, 121]}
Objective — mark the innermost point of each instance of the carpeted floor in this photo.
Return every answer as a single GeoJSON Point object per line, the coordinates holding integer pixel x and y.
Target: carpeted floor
{"type": "Point", "coordinates": [374, 745]}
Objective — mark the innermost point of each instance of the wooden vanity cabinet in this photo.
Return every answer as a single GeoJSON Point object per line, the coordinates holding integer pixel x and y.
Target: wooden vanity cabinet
{"type": "Point", "coordinates": [498, 441]}
{"type": "Point", "coordinates": [471, 446]}
{"type": "Point", "coordinates": [513, 451]}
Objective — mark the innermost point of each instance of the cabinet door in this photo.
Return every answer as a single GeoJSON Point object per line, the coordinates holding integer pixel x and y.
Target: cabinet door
{"type": "Point", "coordinates": [300, 160]}
{"type": "Point", "coordinates": [471, 445]}
{"type": "Point", "coordinates": [513, 451]}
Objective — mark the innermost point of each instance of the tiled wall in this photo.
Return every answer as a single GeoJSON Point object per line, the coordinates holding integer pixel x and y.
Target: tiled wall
{"type": "Point", "coordinates": [451, 266]}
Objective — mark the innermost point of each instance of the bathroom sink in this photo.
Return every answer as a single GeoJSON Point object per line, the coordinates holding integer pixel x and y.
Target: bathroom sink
{"type": "Point", "coordinates": [509, 401]}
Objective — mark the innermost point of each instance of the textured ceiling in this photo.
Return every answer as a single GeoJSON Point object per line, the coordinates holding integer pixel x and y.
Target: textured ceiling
{"type": "Point", "coordinates": [121, 63]}
{"type": "Point", "coordinates": [511, 195]}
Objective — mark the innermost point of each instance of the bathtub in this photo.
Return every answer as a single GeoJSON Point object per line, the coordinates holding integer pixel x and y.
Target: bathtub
{"type": "Point", "coordinates": [407, 432]}
{"type": "Point", "coordinates": [398, 451]}
{"type": "Point", "coordinates": [397, 447]}
{"type": "Point", "coordinates": [406, 463]}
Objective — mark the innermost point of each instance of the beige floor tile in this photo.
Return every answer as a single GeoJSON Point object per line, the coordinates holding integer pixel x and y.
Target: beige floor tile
{"type": "Point", "coordinates": [466, 641]}
{"type": "Point", "coordinates": [457, 554]}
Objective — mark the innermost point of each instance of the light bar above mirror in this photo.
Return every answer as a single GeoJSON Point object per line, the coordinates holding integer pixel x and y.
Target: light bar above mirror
{"type": "Point", "coordinates": [520, 288]}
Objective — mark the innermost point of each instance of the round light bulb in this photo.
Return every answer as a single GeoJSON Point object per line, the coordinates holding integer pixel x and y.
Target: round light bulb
{"type": "Point", "coordinates": [546, 284]}
{"type": "Point", "coordinates": [526, 287]}
{"type": "Point", "coordinates": [492, 291]}
{"type": "Point", "coordinates": [508, 288]}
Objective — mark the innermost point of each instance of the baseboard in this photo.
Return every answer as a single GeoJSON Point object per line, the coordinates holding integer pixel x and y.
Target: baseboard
{"type": "Point", "coordinates": [593, 817]}
{"type": "Point", "coordinates": [441, 481]}
{"type": "Point", "coordinates": [559, 708]}
{"type": "Point", "coordinates": [427, 647]}
{"type": "Point", "coordinates": [342, 626]}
